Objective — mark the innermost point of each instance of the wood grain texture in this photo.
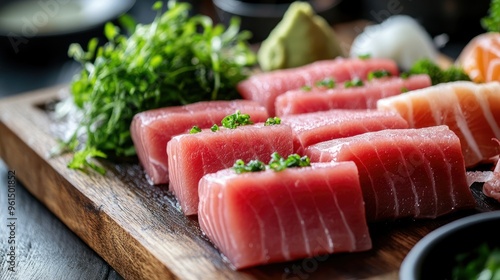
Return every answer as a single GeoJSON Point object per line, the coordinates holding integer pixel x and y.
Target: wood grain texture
{"type": "Point", "coordinates": [44, 247]}
{"type": "Point", "coordinates": [137, 227]}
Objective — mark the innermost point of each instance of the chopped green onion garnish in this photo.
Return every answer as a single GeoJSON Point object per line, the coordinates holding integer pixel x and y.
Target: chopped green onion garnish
{"type": "Point", "coordinates": [279, 163]}
{"type": "Point", "coordinates": [364, 56]}
{"type": "Point", "coordinates": [306, 88]}
{"type": "Point", "coordinates": [235, 120]}
{"type": "Point", "coordinates": [195, 129]}
{"type": "Point", "coordinates": [272, 121]}
{"type": "Point", "coordinates": [252, 166]}
{"type": "Point", "coordinates": [378, 74]}
{"type": "Point", "coordinates": [356, 82]}
{"type": "Point", "coordinates": [328, 83]}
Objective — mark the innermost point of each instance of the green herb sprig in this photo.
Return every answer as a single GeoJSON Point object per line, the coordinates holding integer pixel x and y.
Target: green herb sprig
{"type": "Point", "coordinates": [177, 59]}
{"type": "Point", "coordinates": [481, 263]}
{"type": "Point", "coordinates": [491, 22]}
{"type": "Point", "coordinates": [436, 73]}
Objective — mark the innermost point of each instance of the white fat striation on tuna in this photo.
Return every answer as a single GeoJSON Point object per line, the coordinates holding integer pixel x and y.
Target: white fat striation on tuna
{"type": "Point", "coordinates": [467, 107]}
{"type": "Point", "coordinates": [481, 98]}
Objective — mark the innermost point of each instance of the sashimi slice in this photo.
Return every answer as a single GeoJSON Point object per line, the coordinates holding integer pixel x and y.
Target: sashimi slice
{"type": "Point", "coordinates": [480, 58]}
{"type": "Point", "coordinates": [471, 110]}
{"type": "Point", "coordinates": [418, 173]}
{"type": "Point", "coordinates": [190, 156]}
{"type": "Point", "coordinates": [312, 128]}
{"type": "Point", "coordinates": [300, 101]}
{"type": "Point", "coordinates": [267, 217]}
{"type": "Point", "coordinates": [151, 130]}
{"type": "Point", "coordinates": [265, 87]}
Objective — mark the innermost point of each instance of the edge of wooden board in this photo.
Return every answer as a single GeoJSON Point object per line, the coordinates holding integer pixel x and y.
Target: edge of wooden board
{"type": "Point", "coordinates": [81, 201]}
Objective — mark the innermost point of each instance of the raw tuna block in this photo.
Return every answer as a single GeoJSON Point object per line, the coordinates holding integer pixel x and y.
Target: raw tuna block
{"type": "Point", "coordinates": [265, 87]}
{"type": "Point", "coordinates": [417, 173]}
{"type": "Point", "coordinates": [190, 156]}
{"type": "Point", "coordinates": [151, 130]}
{"type": "Point", "coordinates": [471, 110]}
{"type": "Point", "coordinates": [312, 128]}
{"type": "Point", "coordinates": [300, 101]}
{"type": "Point", "coordinates": [267, 217]}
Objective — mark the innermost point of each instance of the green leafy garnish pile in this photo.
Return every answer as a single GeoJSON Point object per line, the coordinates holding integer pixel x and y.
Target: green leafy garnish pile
{"type": "Point", "coordinates": [436, 73]}
{"type": "Point", "coordinates": [277, 163]}
{"type": "Point", "coordinates": [177, 59]}
{"type": "Point", "coordinates": [491, 22]}
{"type": "Point", "coordinates": [482, 263]}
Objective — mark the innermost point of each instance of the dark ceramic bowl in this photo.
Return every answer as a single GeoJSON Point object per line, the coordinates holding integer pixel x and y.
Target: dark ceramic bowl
{"type": "Point", "coordinates": [433, 257]}
{"type": "Point", "coordinates": [260, 17]}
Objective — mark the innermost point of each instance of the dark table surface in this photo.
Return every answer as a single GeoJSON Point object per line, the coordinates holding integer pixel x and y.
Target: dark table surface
{"type": "Point", "coordinates": [45, 247]}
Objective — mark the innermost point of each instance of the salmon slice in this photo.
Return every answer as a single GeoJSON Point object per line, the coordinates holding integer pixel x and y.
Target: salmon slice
{"type": "Point", "coordinates": [300, 101]}
{"type": "Point", "coordinates": [265, 87]}
{"type": "Point", "coordinates": [266, 217]}
{"type": "Point", "coordinates": [480, 58]}
{"type": "Point", "coordinates": [312, 128]}
{"type": "Point", "coordinates": [470, 110]}
{"type": "Point", "coordinates": [151, 130]}
{"type": "Point", "coordinates": [190, 156]}
{"type": "Point", "coordinates": [418, 173]}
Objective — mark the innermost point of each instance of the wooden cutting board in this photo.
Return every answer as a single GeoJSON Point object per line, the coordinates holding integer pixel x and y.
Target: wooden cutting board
{"type": "Point", "coordinates": [137, 227]}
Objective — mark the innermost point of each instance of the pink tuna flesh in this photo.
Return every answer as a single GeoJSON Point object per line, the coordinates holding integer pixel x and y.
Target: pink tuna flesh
{"type": "Point", "coordinates": [151, 130]}
{"type": "Point", "coordinates": [417, 173]}
{"type": "Point", "coordinates": [266, 87]}
{"type": "Point", "coordinates": [299, 101]}
{"type": "Point", "coordinates": [312, 128]}
{"type": "Point", "coordinates": [190, 156]}
{"type": "Point", "coordinates": [266, 217]}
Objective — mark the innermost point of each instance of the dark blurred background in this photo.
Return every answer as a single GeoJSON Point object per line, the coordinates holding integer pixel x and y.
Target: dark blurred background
{"type": "Point", "coordinates": [33, 54]}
